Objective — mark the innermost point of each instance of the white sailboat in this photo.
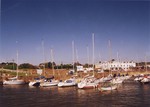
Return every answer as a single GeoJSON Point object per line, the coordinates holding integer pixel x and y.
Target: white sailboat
{"type": "Point", "coordinates": [68, 82]}
{"type": "Point", "coordinates": [109, 83]}
{"type": "Point", "coordinates": [36, 82]}
{"type": "Point", "coordinates": [89, 81]}
{"type": "Point", "coordinates": [14, 80]}
{"type": "Point", "coordinates": [117, 80]}
{"type": "Point", "coordinates": [50, 82]}
{"type": "Point", "coordinates": [72, 81]}
{"type": "Point", "coordinates": [105, 79]}
{"type": "Point", "coordinates": [108, 87]}
{"type": "Point", "coordinates": [139, 77]}
{"type": "Point", "coordinates": [145, 80]}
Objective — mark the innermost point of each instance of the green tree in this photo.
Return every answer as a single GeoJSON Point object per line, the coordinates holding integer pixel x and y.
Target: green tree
{"type": "Point", "coordinates": [27, 66]}
{"type": "Point", "coordinates": [8, 65]}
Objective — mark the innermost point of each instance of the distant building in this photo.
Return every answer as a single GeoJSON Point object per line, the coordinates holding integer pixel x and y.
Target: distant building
{"type": "Point", "coordinates": [85, 70]}
{"type": "Point", "coordinates": [80, 68]}
{"type": "Point", "coordinates": [114, 65]}
{"type": "Point", "coordinates": [39, 71]}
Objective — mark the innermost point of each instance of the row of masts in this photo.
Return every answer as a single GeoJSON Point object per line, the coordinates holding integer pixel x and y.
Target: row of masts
{"type": "Point", "coordinates": [73, 55]}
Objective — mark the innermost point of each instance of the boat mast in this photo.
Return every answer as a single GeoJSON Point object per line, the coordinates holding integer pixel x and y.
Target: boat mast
{"type": "Point", "coordinates": [100, 56]}
{"type": "Point", "coordinates": [13, 64]}
{"type": "Point", "coordinates": [17, 64]}
{"type": "Point", "coordinates": [110, 58]}
{"type": "Point", "coordinates": [137, 61]}
{"type": "Point", "coordinates": [73, 54]}
{"type": "Point", "coordinates": [52, 60]}
{"type": "Point", "coordinates": [93, 52]}
{"type": "Point", "coordinates": [77, 59]}
{"type": "Point", "coordinates": [118, 60]}
{"type": "Point", "coordinates": [88, 55]}
{"type": "Point", "coordinates": [43, 57]}
{"type": "Point", "coordinates": [17, 59]}
{"type": "Point", "coordinates": [146, 63]}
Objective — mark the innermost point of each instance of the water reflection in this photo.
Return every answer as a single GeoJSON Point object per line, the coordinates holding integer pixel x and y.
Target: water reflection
{"type": "Point", "coordinates": [48, 88]}
{"type": "Point", "coordinates": [129, 94]}
{"type": "Point", "coordinates": [146, 87]}
{"type": "Point", "coordinates": [12, 86]}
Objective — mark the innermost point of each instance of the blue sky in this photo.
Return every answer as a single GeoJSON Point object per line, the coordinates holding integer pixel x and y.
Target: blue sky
{"type": "Point", "coordinates": [59, 22]}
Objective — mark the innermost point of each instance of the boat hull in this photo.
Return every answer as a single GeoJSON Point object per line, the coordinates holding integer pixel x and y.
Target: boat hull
{"type": "Point", "coordinates": [48, 84]}
{"type": "Point", "coordinates": [13, 82]}
{"type": "Point", "coordinates": [63, 84]}
{"type": "Point", "coordinates": [145, 80]}
{"type": "Point", "coordinates": [86, 86]}
{"type": "Point", "coordinates": [67, 83]}
{"type": "Point", "coordinates": [34, 83]}
{"type": "Point", "coordinates": [108, 88]}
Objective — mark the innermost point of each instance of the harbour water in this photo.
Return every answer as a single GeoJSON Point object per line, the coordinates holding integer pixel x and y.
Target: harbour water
{"type": "Point", "coordinates": [129, 94]}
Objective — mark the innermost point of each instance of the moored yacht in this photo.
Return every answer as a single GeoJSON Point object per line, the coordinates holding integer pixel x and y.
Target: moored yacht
{"type": "Point", "coordinates": [13, 81]}
{"type": "Point", "coordinates": [68, 82]}
{"type": "Point", "coordinates": [49, 82]}
{"type": "Point", "coordinates": [88, 82]}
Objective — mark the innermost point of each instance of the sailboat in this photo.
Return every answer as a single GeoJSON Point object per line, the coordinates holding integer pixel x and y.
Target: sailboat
{"type": "Point", "coordinates": [68, 82]}
{"type": "Point", "coordinates": [146, 78]}
{"type": "Point", "coordinates": [89, 81]}
{"type": "Point", "coordinates": [36, 82]}
{"type": "Point", "coordinates": [50, 81]}
{"type": "Point", "coordinates": [72, 81]}
{"type": "Point", "coordinates": [109, 85]}
{"type": "Point", "coordinates": [14, 80]}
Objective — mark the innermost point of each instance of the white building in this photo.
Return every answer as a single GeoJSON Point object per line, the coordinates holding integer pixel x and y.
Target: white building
{"type": "Point", "coordinates": [80, 68]}
{"type": "Point", "coordinates": [115, 65]}
{"type": "Point", "coordinates": [85, 70]}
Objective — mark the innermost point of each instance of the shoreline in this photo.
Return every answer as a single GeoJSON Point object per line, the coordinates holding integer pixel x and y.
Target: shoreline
{"type": "Point", "coordinates": [63, 74]}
